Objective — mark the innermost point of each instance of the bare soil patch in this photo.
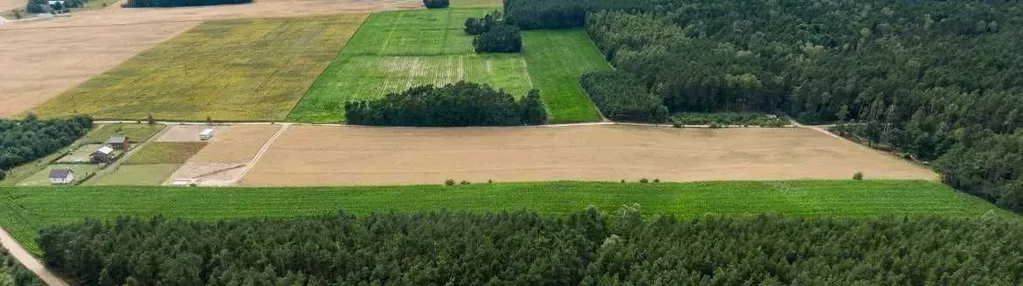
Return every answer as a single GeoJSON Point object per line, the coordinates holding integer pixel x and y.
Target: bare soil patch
{"type": "Point", "coordinates": [190, 133]}
{"type": "Point", "coordinates": [223, 160]}
{"type": "Point", "coordinates": [11, 5]}
{"type": "Point", "coordinates": [308, 155]}
{"type": "Point", "coordinates": [237, 144]}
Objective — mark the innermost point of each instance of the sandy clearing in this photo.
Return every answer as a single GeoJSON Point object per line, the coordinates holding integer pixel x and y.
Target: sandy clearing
{"type": "Point", "coordinates": [190, 133]}
{"type": "Point", "coordinates": [6, 5]}
{"type": "Point", "coordinates": [321, 155]}
{"type": "Point", "coordinates": [223, 161]}
{"type": "Point", "coordinates": [36, 68]}
{"type": "Point", "coordinates": [237, 144]}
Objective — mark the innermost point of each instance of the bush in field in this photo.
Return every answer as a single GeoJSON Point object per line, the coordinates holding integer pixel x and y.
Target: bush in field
{"type": "Point", "coordinates": [520, 248]}
{"type": "Point", "coordinates": [432, 4]}
{"type": "Point", "coordinates": [499, 39]}
{"type": "Point", "coordinates": [475, 26]}
{"type": "Point", "coordinates": [180, 3]}
{"type": "Point", "coordinates": [858, 176]}
{"type": "Point", "coordinates": [459, 104]}
{"type": "Point", "coordinates": [619, 96]}
{"type": "Point", "coordinates": [532, 110]}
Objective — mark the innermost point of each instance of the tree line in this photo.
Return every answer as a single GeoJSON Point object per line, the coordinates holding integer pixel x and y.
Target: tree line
{"type": "Point", "coordinates": [22, 141]}
{"type": "Point", "coordinates": [937, 80]}
{"type": "Point", "coordinates": [180, 3]}
{"type": "Point", "coordinates": [619, 97]}
{"type": "Point", "coordinates": [458, 104]}
{"type": "Point", "coordinates": [12, 273]}
{"type": "Point", "coordinates": [493, 35]}
{"type": "Point", "coordinates": [522, 248]}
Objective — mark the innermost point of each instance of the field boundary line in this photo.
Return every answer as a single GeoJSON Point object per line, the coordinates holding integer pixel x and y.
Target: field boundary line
{"type": "Point", "coordinates": [259, 155]}
{"type": "Point", "coordinates": [19, 253]}
{"type": "Point", "coordinates": [340, 52]}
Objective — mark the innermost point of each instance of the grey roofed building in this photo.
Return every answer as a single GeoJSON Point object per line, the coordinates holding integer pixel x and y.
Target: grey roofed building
{"type": "Point", "coordinates": [59, 173]}
{"type": "Point", "coordinates": [117, 139]}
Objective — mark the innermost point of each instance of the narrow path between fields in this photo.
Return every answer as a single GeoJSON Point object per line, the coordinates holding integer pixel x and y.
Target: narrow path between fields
{"type": "Point", "coordinates": [26, 259]}
{"type": "Point", "coordinates": [259, 155]}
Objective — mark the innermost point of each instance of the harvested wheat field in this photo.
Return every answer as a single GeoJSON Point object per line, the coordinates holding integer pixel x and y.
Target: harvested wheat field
{"type": "Point", "coordinates": [36, 68]}
{"type": "Point", "coordinates": [11, 4]}
{"type": "Point", "coordinates": [227, 156]}
{"type": "Point", "coordinates": [307, 155]}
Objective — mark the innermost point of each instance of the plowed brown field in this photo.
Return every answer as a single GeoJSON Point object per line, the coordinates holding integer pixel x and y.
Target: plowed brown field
{"type": "Point", "coordinates": [320, 155]}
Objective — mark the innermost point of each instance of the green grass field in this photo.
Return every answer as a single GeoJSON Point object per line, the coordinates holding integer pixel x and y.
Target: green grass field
{"type": "Point", "coordinates": [165, 153]}
{"type": "Point", "coordinates": [135, 175]}
{"type": "Point", "coordinates": [397, 50]}
{"type": "Point", "coordinates": [477, 4]}
{"type": "Point", "coordinates": [254, 69]}
{"type": "Point", "coordinates": [557, 59]}
{"type": "Point", "coordinates": [24, 211]}
{"type": "Point", "coordinates": [134, 132]}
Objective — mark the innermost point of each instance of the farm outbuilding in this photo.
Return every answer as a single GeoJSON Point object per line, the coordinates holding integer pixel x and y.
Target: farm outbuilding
{"type": "Point", "coordinates": [105, 154]}
{"type": "Point", "coordinates": [119, 142]}
{"type": "Point", "coordinates": [61, 176]}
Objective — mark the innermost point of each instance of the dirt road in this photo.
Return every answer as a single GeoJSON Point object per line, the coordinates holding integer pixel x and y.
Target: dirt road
{"type": "Point", "coordinates": [26, 259]}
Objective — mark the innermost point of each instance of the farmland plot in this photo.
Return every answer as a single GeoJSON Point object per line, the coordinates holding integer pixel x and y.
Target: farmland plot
{"type": "Point", "coordinates": [228, 70]}
{"type": "Point", "coordinates": [397, 50]}
{"type": "Point", "coordinates": [24, 211]}
{"type": "Point", "coordinates": [557, 60]}
{"type": "Point", "coordinates": [376, 76]}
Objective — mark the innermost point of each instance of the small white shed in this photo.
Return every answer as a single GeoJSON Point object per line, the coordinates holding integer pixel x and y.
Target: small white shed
{"type": "Point", "coordinates": [206, 134]}
{"type": "Point", "coordinates": [61, 176]}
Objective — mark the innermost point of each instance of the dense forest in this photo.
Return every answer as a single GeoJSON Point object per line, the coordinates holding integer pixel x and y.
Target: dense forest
{"type": "Point", "coordinates": [180, 3]}
{"type": "Point", "coordinates": [13, 274]}
{"type": "Point", "coordinates": [941, 81]}
{"type": "Point", "coordinates": [619, 97]}
{"type": "Point", "coordinates": [520, 248]}
{"type": "Point", "coordinates": [22, 141]}
{"type": "Point", "coordinates": [458, 104]}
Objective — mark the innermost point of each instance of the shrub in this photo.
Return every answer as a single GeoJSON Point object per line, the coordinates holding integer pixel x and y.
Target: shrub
{"type": "Point", "coordinates": [499, 39]}
{"type": "Point", "coordinates": [858, 176]}
{"type": "Point", "coordinates": [449, 182]}
{"type": "Point", "coordinates": [433, 4]}
{"type": "Point", "coordinates": [644, 180]}
{"type": "Point", "coordinates": [465, 183]}
{"type": "Point", "coordinates": [459, 104]}
{"type": "Point", "coordinates": [476, 26]}
{"type": "Point", "coordinates": [620, 96]}
{"type": "Point", "coordinates": [657, 180]}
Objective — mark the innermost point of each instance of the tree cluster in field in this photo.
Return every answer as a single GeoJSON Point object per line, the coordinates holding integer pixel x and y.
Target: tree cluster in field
{"type": "Point", "coordinates": [22, 141]}
{"type": "Point", "coordinates": [520, 248]}
{"type": "Point", "coordinates": [559, 14]}
{"type": "Point", "coordinates": [43, 6]}
{"type": "Point", "coordinates": [619, 97]}
{"type": "Point", "coordinates": [12, 273]}
{"type": "Point", "coordinates": [458, 104]}
{"type": "Point", "coordinates": [493, 35]}
{"type": "Point", "coordinates": [181, 3]}
{"type": "Point", "coordinates": [434, 4]}
{"type": "Point", "coordinates": [937, 80]}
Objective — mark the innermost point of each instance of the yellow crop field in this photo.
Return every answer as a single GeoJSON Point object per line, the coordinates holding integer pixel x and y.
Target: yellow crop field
{"type": "Point", "coordinates": [252, 69]}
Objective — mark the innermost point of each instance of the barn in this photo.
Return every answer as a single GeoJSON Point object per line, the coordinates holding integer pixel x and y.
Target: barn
{"type": "Point", "coordinates": [105, 154]}
{"type": "Point", "coordinates": [119, 142]}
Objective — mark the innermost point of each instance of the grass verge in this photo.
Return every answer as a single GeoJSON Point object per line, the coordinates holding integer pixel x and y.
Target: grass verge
{"type": "Point", "coordinates": [23, 211]}
{"type": "Point", "coordinates": [136, 175]}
